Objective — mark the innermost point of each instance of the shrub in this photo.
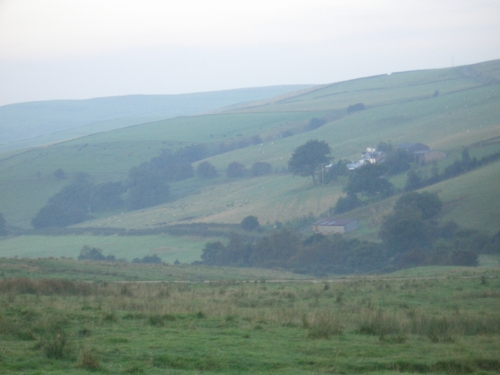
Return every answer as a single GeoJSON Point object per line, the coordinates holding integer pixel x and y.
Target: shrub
{"type": "Point", "coordinates": [356, 107]}
{"type": "Point", "coordinates": [206, 170]}
{"type": "Point", "coordinates": [236, 170]}
{"type": "Point", "coordinates": [260, 169]}
{"type": "Point", "coordinates": [250, 223]}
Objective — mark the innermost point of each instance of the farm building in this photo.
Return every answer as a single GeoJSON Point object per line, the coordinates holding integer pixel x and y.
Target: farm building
{"type": "Point", "coordinates": [413, 147]}
{"type": "Point", "coordinates": [332, 226]}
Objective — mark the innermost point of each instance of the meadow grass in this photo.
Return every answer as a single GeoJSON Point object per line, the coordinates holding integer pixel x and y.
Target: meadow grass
{"type": "Point", "coordinates": [369, 326]}
{"type": "Point", "coordinates": [168, 248]}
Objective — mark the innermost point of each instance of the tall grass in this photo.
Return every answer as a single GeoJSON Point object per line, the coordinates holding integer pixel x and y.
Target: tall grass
{"type": "Point", "coordinates": [209, 326]}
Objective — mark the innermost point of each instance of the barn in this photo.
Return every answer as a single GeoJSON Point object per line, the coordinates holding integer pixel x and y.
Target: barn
{"type": "Point", "coordinates": [331, 226]}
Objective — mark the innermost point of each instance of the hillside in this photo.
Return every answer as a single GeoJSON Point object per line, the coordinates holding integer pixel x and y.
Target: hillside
{"type": "Point", "coordinates": [36, 123]}
{"type": "Point", "coordinates": [446, 109]}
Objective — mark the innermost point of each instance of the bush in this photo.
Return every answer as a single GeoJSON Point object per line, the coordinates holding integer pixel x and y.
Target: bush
{"type": "Point", "coordinates": [206, 170]}
{"type": "Point", "coordinates": [260, 169]}
{"type": "Point", "coordinates": [250, 223]}
{"type": "Point", "coordinates": [356, 107]}
{"type": "Point", "coordinates": [236, 170]}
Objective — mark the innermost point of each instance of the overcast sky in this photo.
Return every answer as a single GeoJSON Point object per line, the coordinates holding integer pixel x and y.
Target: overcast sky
{"type": "Point", "coordinates": [75, 49]}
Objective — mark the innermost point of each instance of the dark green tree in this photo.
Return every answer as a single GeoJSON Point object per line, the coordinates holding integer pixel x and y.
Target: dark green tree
{"type": "Point", "coordinates": [413, 180]}
{"type": "Point", "coordinates": [369, 180]}
{"type": "Point", "coordinates": [146, 189]}
{"type": "Point", "coordinates": [69, 206]}
{"type": "Point", "coordinates": [206, 170]}
{"type": "Point", "coordinates": [236, 170]}
{"type": "Point", "coordinates": [308, 158]}
{"type": "Point", "coordinates": [213, 253]}
{"type": "Point", "coordinates": [275, 249]}
{"type": "Point", "coordinates": [250, 223]}
{"type": "Point", "coordinates": [404, 231]}
{"type": "Point", "coordinates": [347, 203]}
{"type": "Point", "coordinates": [260, 168]}
{"type": "Point", "coordinates": [398, 161]}
{"type": "Point", "coordinates": [425, 203]}
{"type": "Point", "coordinates": [107, 197]}
{"type": "Point", "coordinates": [315, 123]}
{"type": "Point", "coordinates": [91, 253]}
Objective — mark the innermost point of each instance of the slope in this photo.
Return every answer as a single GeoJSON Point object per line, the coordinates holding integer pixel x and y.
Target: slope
{"type": "Point", "coordinates": [444, 108]}
{"type": "Point", "coordinates": [35, 123]}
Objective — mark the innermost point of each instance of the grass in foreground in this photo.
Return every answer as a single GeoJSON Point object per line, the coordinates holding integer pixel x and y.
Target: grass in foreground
{"type": "Point", "coordinates": [439, 326]}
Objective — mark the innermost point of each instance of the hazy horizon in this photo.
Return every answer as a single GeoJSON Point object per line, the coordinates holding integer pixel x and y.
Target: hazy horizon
{"type": "Point", "coordinates": [67, 49]}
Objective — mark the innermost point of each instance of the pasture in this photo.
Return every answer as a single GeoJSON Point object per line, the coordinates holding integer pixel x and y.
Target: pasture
{"type": "Point", "coordinates": [372, 325]}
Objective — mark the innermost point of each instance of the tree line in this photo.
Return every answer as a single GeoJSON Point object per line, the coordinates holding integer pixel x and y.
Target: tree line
{"type": "Point", "coordinates": [410, 237]}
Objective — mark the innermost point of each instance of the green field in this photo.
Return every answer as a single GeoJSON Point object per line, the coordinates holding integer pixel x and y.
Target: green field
{"type": "Point", "coordinates": [379, 325]}
{"type": "Point", "coordinates": [168, 248]}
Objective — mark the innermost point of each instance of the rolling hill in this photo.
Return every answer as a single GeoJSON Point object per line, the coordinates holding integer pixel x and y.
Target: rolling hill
{"type": "Point", "coordinates": [447, 109]}
{"type": "Point", "coordinates": [36, 123]}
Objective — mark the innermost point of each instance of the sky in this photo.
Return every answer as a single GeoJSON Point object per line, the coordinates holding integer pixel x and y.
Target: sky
{"type": "Point", "coordinates": [74, 49]}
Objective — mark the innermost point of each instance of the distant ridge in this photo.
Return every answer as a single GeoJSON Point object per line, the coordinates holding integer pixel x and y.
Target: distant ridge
{"type": "Point", "coordinates": [42, 122]}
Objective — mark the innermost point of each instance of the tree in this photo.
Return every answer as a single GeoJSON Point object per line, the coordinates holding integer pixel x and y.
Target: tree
{"type": "Point", "coordinates": [315, 123]}
{"type": "Point", "coordinates": [69, 206]}
{"type": "Point", "coordinates": [91, 253]}
{"type": "Point", "coordinates": [146, 189]}
{"type": "Point", "coordinates": [370, 180]}
{"type": "Point", "coordinates": [235, 170]}
{"type": "Point", "coordinates": [356, 107]}
{"type": "Point", "coordinates": [427, 204]}
{"type": "Point", "coordinates": [260, 168]}
{"type": "Point", "coordinates": [107, 197]}
{"type": "Point", "coordinates": [206, 170]}
{"type": "Point", "coordinates": [404, 231]}
{"type": "Point", "coordinates": [250, 223]}
{"type": "Point", "coordinates": [347, 203]}
{"type": "Point", "coordinates": [306, 159]}
{"type": "Point", "coordinates": [398, 161]}
{"type": "Point", "coordinates": [413, 180]}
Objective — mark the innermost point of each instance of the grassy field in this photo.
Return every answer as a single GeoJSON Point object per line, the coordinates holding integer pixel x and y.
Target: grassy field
{"type": "Point", "coordinates": [168, 248]}
{"type": "Point", "coordinates": [391, 324]}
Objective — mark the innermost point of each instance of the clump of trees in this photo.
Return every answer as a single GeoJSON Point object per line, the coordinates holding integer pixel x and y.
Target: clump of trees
{"type": "Point", "coordinates": [315, 123]}
{"type": "Point", "coordinates": [308, 158]}
{"type": "Point", "coordinates": [148, 259]}
{"type": "Point", "coordinates": [250, 223]}
{"type": "Point", "coordinates": [410, 237]}
{"type": "Point", "coordinates": [236, 170]}
{"type": "Point", "coordinates": [146, 185]}
{"type": "Point", "coordinates": [356, 108]}
{"type": "Point", "coordinates": [285, 249]}
{"type": "Point", "coordinates": [95, 254]}
{"type": "Point", "coordinates": [260, 168]}
{"type": "Point", "coordinates": [465, 164]}
{"type": "Point", "coordinates": [206, 170]}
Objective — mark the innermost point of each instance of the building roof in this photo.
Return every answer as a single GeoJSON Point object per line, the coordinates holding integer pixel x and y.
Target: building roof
{"type": "Point", "coordinates": [413, 147]}
{"type": "Point", "coordinates": [330, 222]}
